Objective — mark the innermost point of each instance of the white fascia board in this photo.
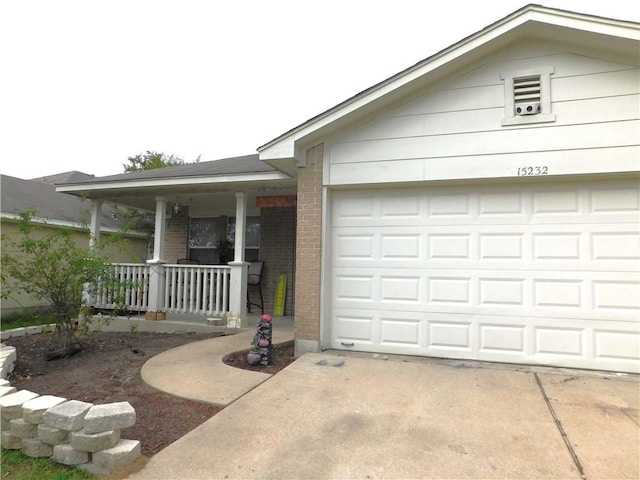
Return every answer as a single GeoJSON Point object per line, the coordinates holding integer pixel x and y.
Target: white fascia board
{"type": "Point", "coordinates": [591, 24]}
{"type": "Point", "coordinates": [75, 225]}
{"type": "Point", "coordinates": [174, 182]}
{"type": "Point", "coordinates": [285, 145]}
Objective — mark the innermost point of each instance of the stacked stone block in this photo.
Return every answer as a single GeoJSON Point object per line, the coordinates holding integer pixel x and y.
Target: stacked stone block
{"type": "Point", "coordinates": [70, 432]}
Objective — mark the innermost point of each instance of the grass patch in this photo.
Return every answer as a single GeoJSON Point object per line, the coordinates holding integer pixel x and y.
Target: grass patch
{"type": "Point", "coordinates": [16, 466]}
{"type": "Point", "coordinates": [25, 320]}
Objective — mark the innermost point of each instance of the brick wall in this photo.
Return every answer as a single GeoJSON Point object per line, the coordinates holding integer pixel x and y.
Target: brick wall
{"type": "Point", "coordinates": [177, 237]}
{"type": "Point", "coordinates": [277, 250]}
{"type": "Point", "coordinates": [309, 247]}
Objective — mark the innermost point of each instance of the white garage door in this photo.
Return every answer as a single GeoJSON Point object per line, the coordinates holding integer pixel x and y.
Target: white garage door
{"type": "Point", "coordinates": [528, 273]}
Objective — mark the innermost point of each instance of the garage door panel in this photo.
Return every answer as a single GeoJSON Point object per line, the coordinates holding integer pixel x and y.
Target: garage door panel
{"type": "Point", "coordinates": [614, 200]}
{"type": "Point", "coordinates": [353, 327]}
{"type": "Point", "coordinates": [350, 288]}
{"type": "Point", "coordinates": [611, 345]}
{"type": "Point", "coordinates": [618, 296]}
{"type": "Point", "coordinates": [559, 341]}
{"type": "Point", "coordinates": [401, 331]}
{"type": "Point", "coordinates": [403, 247]}
{"type": "Point", "coordinates": [500, 339]}
{"type": "Point", "coordinates": [531, 273]}
{"type": "Point", "coordinates": [450, 336]}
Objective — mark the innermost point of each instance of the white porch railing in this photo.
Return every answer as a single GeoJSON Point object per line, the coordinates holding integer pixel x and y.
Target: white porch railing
{"type": "Point", "coordinates": [200, 289]}
{"type": "Point", "coordinates": [129, 289]}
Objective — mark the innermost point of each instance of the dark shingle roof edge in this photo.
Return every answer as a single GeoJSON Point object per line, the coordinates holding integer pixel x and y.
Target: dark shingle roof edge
{"type": "Point", "coordinates": [246, 164]}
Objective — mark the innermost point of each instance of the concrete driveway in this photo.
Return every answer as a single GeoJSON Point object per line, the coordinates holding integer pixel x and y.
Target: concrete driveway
{"type": "Point", "coordinates": [329, 416]}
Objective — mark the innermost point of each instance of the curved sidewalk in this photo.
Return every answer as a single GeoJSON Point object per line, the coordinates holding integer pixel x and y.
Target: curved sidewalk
{"type": "Point", "coordinates": [196, 371]}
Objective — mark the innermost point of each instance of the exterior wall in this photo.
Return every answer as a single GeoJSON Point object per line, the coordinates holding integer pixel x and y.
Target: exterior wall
{"type": "Point", "coordinates": [277, 250]}
{"type": "Point", "coordinates": [177, 237]}
{"type": "Point", "coordinates": [453, 130]}
{"type": "Point", "coordinates": [134, 251]}
{"type": "Point", "coordinates": [309, 252]}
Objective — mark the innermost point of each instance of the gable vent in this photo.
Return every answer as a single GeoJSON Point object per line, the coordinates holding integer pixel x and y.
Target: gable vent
{"type": "Point", "coordinates": [527, 95]}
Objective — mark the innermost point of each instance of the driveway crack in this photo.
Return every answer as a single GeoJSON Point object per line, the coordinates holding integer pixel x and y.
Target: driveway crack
{"type": "Point", "coordinates": [558, 423]}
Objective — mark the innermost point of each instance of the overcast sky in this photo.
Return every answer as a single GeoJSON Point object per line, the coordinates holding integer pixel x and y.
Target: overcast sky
{"type": "Point", "coordinates": [86, 84]}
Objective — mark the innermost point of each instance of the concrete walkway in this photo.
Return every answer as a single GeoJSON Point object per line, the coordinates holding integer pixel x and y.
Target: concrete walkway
{"type": "Point", "coordinates": [364, 416]}
{"type": "Point", "coordinates": [195, 371]}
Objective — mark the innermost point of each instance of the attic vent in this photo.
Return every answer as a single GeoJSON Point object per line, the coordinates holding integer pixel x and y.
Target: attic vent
{"type": "Point", "coordinates": [527, 95]}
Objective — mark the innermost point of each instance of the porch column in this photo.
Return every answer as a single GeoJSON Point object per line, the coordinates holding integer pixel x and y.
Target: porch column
{"type": "Point", "coordinates": [238, 286]}
{"type": "Point", "coordinates": [156, 275]}
{"type": "Point", "coordinates": [94, 226]}
{"type": "Point", "coordinates": [89, 298]}
{"type": "Point", "coordinates": [158, 235]}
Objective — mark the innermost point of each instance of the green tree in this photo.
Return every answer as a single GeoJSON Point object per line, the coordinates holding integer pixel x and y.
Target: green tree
{"type": "Point", "coordinates": [151, 160]}
{"type": "Point", "coordinates": [148, 161]}
{"type": "Point", "coordinates": [50, 265]}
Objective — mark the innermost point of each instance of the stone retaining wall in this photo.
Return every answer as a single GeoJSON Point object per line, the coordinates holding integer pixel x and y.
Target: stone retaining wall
{"type": "Point", "coordinates": [70, 432]}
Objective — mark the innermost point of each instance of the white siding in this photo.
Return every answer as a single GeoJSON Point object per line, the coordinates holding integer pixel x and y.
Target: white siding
{"type": "Point", "coordinates": [453, 130]}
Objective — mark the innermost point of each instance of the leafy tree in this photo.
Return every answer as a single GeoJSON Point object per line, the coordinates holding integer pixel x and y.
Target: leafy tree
{"type": "Point", "coordinates": [148, 161]}
{"type": "Point", "coordinates": [50, 265]}
{"type": "Point", "coordinates": [151, 160]}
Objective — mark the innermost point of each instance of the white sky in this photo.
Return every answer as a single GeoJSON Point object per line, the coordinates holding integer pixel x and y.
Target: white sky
{"type": "Point", "coordinates": [85, 84]}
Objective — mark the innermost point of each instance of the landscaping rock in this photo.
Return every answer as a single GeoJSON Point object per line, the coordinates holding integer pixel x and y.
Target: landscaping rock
{"type": "Point", "coordinates": [33, 410]}
{"type": "Point", "coordinates": [112, 416]}
{"type": "Point", "coordinates": [124, 453]}
{"type": "Point", "coordinates": [67, 416]}
{"type": "Point", "coordinates": [11, 405]}
{"type": "Point", "coordinates": [67, 455]}
{"type": "Point", "coordinates": [6, 390]}
{"type": "Point", "coordinates": [23, 429]}
{"type": "Point", "coordinates": [52, 435]}
{"type": "Point", "coordinates": [93, 442]}
{"type": "Point", "coordinates": [34, 447]}
{"type": "Point", "coordinates": [10, 441]}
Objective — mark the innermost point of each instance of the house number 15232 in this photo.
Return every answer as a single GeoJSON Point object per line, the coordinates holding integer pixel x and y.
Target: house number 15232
{"type": "Point", "coordinates": [532, 171]}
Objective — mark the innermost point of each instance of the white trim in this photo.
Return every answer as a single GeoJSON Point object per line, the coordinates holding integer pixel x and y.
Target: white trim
{"type": "Point", "coordinates": [170, 182]}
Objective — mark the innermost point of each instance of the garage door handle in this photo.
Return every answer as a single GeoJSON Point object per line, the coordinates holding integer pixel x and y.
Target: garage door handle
{"type": "Point", "coordinates": [345, 344]}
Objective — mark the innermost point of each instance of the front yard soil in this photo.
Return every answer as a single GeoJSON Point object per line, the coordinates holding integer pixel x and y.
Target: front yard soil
{"type": "Point", "coordinates": [108, 370]}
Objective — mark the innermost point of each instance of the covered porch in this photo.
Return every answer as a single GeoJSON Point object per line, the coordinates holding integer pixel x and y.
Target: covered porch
{"type": "Point", "coordinates": [207, 224]}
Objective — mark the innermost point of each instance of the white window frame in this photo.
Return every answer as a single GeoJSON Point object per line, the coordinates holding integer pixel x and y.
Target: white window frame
{"type": "Point", "coordinates": [545, 114]}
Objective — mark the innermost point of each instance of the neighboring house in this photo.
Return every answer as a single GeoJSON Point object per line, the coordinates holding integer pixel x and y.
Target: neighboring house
{"type": "Point", "coordinates": [58, 210]}
{"type": "Point", "coordinates": [482, 204]}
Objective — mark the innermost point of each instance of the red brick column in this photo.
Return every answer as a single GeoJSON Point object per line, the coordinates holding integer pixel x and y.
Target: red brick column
{"type": "Point", "coordinates": [309, 253]}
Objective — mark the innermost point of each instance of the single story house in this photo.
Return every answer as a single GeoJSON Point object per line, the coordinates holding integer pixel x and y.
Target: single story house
{"type": "Point", "coordinates": [54, 210]}
{"type": "Point", "coordinates": [482, 204]}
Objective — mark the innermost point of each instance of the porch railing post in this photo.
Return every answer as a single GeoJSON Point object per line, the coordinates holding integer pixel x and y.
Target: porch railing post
{"type": "Point", "coordinates": [157, 273]}
{"type": "Point", "coordinates": [238, 289]}
{"type": "Point", "coordinates": [156, 287]}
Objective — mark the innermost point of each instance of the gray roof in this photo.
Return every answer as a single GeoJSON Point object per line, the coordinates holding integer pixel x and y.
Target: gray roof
{"type": "Point", "coordinates": [18, 195]}
{"type": "Point", "coordinates": [226, 166]}
{"type": "Point", "coordinates": [65, 177]}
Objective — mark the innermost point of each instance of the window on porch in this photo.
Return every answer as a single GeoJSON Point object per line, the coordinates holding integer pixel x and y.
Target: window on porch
{"type": "Point", "coordinates": [205, 233]}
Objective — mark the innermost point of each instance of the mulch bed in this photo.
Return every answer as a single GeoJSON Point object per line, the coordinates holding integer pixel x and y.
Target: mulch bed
{"type": "Point", "coordinates": [108, 370]}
